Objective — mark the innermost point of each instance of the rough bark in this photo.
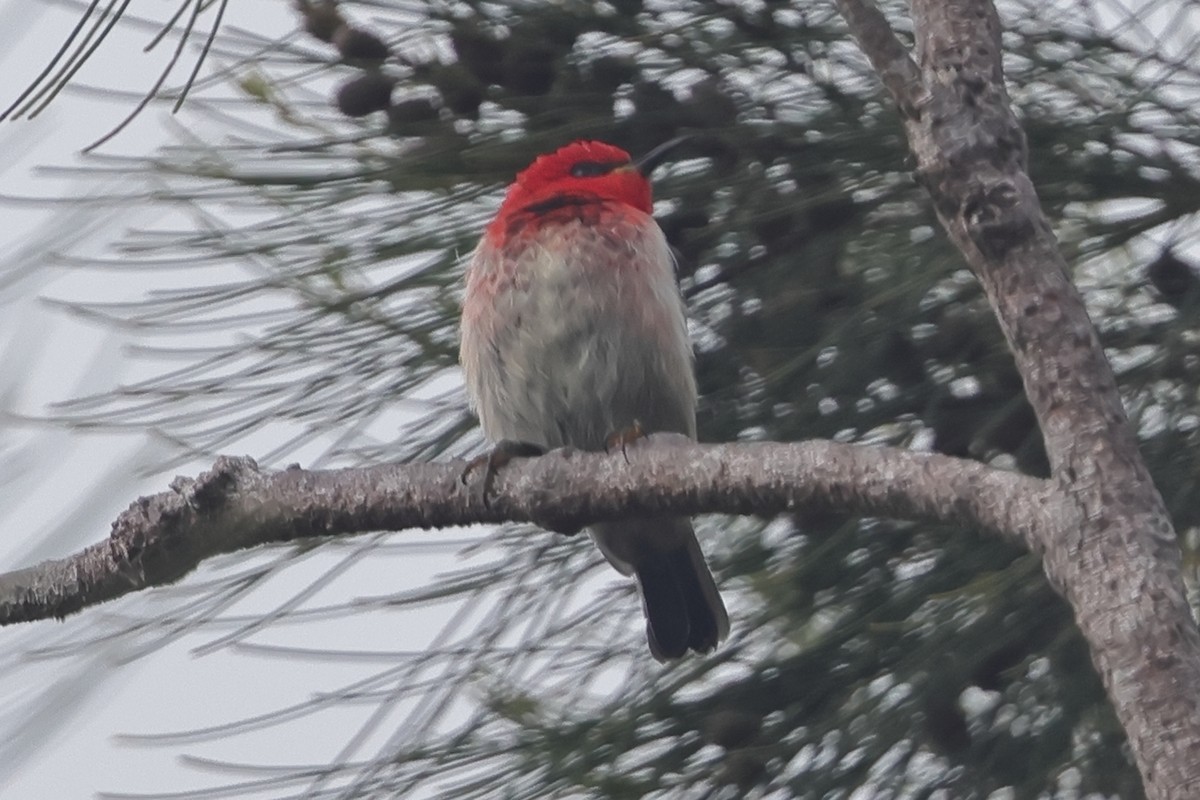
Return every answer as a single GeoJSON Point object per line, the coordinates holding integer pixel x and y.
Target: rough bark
{"type": "Point", "coordinates": [236, 505]}
{"type": "Point", "coordinates": [1114, 556]}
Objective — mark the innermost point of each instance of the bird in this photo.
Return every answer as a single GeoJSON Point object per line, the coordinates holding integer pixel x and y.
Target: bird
{"type": "Point", "coordinates": [574, 333]}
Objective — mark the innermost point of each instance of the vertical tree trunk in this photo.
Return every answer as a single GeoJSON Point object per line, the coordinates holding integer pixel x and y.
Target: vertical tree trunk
{"type": "Point", "coordinates": [1114, 556]}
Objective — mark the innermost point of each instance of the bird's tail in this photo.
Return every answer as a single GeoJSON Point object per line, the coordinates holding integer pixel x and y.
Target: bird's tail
{"type": "Point", "coordinates": [683, 608]}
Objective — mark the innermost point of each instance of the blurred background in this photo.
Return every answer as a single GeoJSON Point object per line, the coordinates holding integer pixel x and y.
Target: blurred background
{"type": "Point", "coordinates": [274, 270]}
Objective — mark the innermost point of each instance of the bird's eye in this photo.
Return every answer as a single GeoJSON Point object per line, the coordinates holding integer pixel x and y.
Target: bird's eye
{"type": "Point", "coordinates": [593, 169]}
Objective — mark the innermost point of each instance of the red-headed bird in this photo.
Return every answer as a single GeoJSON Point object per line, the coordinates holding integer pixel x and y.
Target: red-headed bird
{"type": "Point", "coordinates": [573, 330]}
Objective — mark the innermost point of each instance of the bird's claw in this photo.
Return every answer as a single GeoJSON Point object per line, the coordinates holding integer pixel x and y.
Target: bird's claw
{"type": "Point", "coordinates": [624, 438]}
{"type": "Point", "coordinates": [504, 451]}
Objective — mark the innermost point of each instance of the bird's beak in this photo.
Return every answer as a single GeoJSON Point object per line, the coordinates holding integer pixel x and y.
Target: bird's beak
{"type": "Point", "coordinates": [658, 155]}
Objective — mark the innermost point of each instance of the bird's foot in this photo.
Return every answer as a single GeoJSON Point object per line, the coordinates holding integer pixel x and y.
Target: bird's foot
{"type": "Point", "coordinates": [504, 451]}
{"type": "Point", "coordinates": [624, 438]}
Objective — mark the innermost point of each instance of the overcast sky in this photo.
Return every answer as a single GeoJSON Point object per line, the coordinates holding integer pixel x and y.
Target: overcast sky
{"type": "Point", "coordinates": [63, 710]}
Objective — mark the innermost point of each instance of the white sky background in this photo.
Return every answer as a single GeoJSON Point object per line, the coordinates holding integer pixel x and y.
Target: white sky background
{"type": "Point", "coordinates": [74, 693]}
{"type": "Point", "coordinates": [59, 491]}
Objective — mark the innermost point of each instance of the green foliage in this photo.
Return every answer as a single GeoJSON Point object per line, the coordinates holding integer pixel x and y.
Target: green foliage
{"type": "Point", "coordinates": [826, 303]}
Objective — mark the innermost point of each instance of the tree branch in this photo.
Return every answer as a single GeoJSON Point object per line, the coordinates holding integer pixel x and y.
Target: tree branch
{"type": "Point", "coordinates": [1117, 562]}
{"type": "Point", "coordinates": [236, 505]}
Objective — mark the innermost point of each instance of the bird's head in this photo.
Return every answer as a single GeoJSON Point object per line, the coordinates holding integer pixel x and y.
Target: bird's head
{"type": "Point", "coordinates": [587, 169]}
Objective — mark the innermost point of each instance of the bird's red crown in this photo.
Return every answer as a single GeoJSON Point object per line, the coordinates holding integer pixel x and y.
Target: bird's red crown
{"type": "Point", "coordinates": [586, 169]}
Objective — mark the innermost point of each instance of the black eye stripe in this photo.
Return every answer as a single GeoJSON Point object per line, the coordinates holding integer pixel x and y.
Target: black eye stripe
{"type": "Point", "coordinates": [593, 169]}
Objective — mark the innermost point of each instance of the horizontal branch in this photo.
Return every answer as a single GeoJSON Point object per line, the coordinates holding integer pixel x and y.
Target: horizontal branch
{"type": "Point", "coordinates": [236, 505]}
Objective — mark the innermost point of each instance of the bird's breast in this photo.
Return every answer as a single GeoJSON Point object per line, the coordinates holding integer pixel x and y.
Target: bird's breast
{"type": "Point", "coordinates": [573, 328]}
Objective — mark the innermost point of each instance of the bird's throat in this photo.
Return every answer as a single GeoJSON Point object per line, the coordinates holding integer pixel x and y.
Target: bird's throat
{"type": "Point", "coordinates": [559, 209]}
